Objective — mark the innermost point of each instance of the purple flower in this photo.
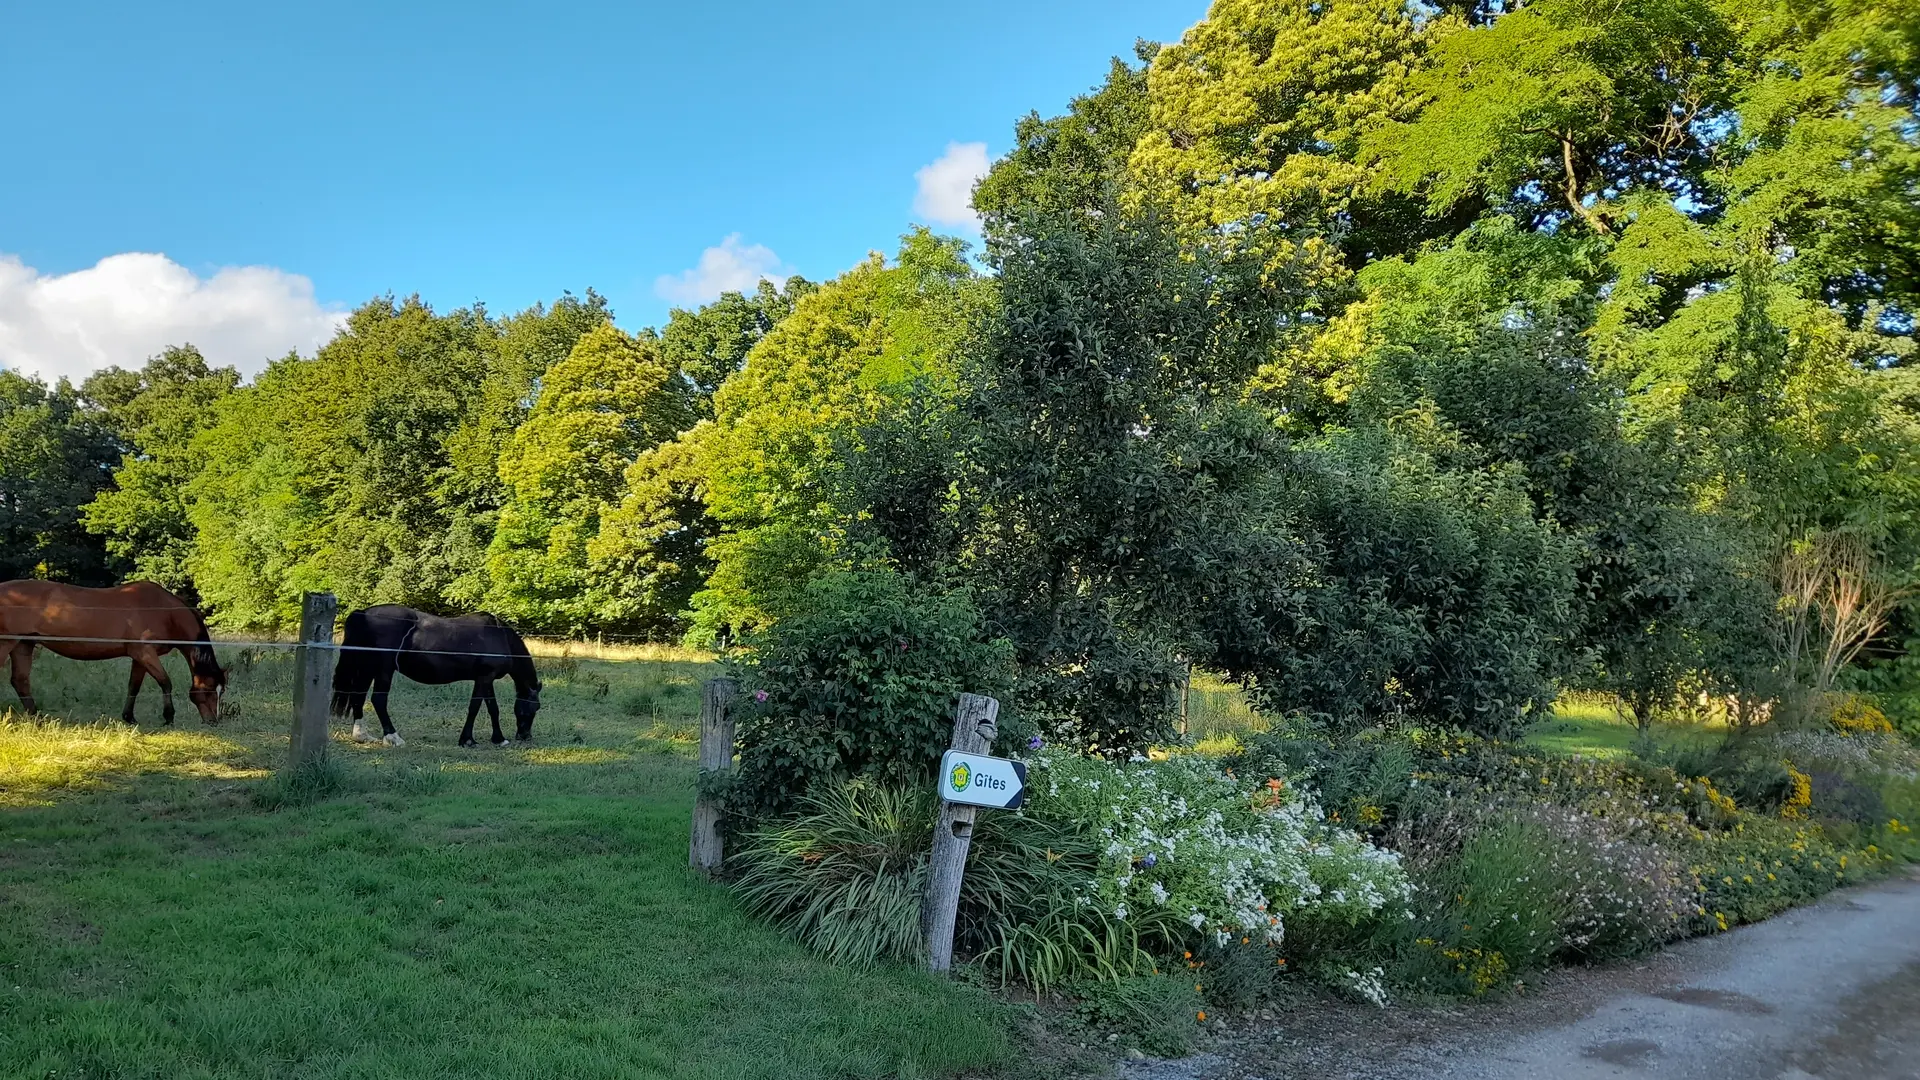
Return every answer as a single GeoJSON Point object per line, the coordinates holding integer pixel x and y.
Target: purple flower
{"type": "Point", "coordinates": [759, 695]}
{"type": "Point", "coordinates": [1149, 860]}
{"type": "Point", "coordinates": [1036, 743]}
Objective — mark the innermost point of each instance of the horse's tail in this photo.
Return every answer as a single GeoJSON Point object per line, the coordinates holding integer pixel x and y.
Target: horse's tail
{"type": "Point", "coordinates": [353, 669]}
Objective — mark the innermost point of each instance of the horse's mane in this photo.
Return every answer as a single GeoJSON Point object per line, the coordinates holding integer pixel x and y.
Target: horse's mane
{"type": "Point", "coordinates": [202, 657]}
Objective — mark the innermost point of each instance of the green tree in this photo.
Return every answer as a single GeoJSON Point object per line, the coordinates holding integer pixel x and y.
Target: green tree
{"type": "Point", "coordinates": [707, 346]}
{"type": "Point", "coordinates": [766, 465]}
{"type": "Point", "coordinates": [157, 411]}
{"type": "Point", "coordinates": [611, 400]}
{"type": "Point", "coordinates": [356, 470]}
{"type": "Point", "coordinates": [55, 456]}
{"type": "Point", "coordinates": [1111, 479]}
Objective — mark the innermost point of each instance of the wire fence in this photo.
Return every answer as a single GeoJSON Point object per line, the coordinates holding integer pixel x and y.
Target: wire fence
{"type": "Point", "coordinates": [171, 643]}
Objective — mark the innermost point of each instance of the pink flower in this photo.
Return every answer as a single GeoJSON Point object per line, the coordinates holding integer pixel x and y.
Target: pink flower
{"type": "Point", "coordinates": [759, 695]}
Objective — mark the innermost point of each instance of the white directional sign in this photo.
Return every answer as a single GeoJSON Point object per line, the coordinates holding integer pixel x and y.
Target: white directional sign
{"type": "Point", "coordinates": [979, 780]}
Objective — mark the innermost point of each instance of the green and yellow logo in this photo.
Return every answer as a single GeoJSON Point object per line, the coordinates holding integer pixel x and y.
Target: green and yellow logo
{"type": "Point", "coordinates": [961, 777]}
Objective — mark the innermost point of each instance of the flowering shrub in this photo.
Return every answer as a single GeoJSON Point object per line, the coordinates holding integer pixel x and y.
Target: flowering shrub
{"type": "Point", "coordinates": [1226, 858]}
{"type": "Point", "coordinates": [1763, 867]}
{"type": "Point", "coordinates": [1854, 714]}
{"type": "Point", "coordinates": [1619, 897]}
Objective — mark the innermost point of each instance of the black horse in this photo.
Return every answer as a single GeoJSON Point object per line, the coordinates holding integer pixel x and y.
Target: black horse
{"type": "Point", "coordinates": [432, 649]}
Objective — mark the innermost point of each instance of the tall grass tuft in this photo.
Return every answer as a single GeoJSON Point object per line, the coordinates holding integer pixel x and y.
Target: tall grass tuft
{"type": "Point", "coordinates": [311, 782]}
{"type": "Point", "coordinates": [846, 874]}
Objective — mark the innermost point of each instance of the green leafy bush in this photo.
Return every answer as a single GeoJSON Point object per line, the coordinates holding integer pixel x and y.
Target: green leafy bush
{"type": "Point", "coordinates": [1435, 595]}
{"type": "Point", "coordinates": [862, 682]}
{"type": "Point", "coordinates": [1157, 1014]}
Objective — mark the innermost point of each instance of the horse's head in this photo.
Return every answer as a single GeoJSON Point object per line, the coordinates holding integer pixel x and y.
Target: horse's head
{"type": "Point", "coordinates": [526, 702]}
{"type": "Point", "coordinates": [209, 683]}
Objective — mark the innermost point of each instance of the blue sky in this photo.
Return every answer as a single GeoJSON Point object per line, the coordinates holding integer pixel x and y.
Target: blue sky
{"type": "Point", "coordinates": [500, 152]}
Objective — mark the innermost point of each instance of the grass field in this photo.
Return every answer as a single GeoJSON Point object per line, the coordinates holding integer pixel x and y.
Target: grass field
{"type": "Point", "coordinates": [167, 912]}
{"type": "Point", "coordinates": [1594, 727]}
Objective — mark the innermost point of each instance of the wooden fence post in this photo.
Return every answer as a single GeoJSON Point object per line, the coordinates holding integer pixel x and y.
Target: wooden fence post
{"type": "Point", "coordinates": [706, 853]}
{"type": "Point", "coordinates": [313, 675]}
{"type": "Point", "coordinates": [1186, 699]}
{"type": "Point", "coordinates": [975, 723]}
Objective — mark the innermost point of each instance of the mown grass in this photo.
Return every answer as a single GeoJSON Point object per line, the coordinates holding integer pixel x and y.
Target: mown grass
{"type": "Point", "coordinates": [1594, 726]}
{"type": "Point", "coordinates": [1218, 715]}
{"type": "Point", "coordinates": [169, 910]}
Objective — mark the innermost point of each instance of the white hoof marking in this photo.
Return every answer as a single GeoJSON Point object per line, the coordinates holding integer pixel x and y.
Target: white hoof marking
{"type": "Point", "coordinates": [394, 740]}
{"type": "Point", "coordinates": [360, 734]}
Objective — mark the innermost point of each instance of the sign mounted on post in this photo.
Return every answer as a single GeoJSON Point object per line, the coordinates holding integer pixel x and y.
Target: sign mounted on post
{"type": "Point", "coordinates": [979, 780]}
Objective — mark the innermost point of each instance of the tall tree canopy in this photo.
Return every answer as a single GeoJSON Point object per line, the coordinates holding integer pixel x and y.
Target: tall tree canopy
{"type": "Point", "coordinates": [156, 411]}
{"type": "Point", "coordinates": [1406, 362]}
{"type": "Point", "coordinates": [56, 454]}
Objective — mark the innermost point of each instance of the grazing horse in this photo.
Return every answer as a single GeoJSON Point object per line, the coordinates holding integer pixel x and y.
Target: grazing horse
{"type": "Point", "coordinates": [431, 649]}
{"type": "Point", "coordinates": [139, 620]}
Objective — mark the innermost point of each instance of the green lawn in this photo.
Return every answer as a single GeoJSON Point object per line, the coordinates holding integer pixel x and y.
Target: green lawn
{"type": "Point", "coordinates": [1595, 728]}
{"type": "Point", "coordinates": [500, 913]}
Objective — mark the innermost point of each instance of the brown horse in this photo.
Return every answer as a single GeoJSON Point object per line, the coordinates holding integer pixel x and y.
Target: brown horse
{"type": "Point", "coordinates": [139, 620]}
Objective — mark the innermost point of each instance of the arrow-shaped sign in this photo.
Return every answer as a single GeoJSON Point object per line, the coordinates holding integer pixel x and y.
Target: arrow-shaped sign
{"type": "Point", "coordinates": [979, 780]}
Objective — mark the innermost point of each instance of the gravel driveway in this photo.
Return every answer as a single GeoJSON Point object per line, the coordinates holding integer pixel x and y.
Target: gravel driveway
{"type": "Point", "coordinates": [1828, 991]}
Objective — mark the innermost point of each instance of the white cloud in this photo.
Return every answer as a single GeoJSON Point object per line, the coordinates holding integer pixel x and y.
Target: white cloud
{"type": "Point", "coordinates": [730, 267]}
{"type": "Point", "coordinates": [946, 186]}
{"type": "Point", "coordinates": [126, 308]}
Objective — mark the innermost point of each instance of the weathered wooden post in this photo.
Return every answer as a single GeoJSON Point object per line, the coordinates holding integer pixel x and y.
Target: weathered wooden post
{"type": "Point", "coordinates": [1186, 698]}
{"type": "Point", "coordinates": [706, 852]}
{"type": "Point", "coordinates": [313, 675]}
{"type": "Point", "coordinates": [975, 723]}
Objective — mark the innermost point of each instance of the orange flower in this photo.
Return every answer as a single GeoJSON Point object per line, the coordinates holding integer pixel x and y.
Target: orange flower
{"type": "Point", "coordinates": [1203, 1013]}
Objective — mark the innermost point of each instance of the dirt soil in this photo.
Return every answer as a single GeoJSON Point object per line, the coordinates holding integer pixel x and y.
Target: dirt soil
{"type": "Point", "coordinates": [1826, 992]}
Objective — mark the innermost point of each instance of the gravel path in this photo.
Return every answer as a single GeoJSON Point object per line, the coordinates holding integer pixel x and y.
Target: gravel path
{"type": "Point", "coordinates": [1829, 991]}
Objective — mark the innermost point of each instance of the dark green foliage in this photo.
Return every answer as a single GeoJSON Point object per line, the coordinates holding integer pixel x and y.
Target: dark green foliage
{"type": "Point", "coordinates": [846, 875]}
{"type": "Point", "coordinates": [1431, 594]}
{"type": "Point", "coordinates": [709, 344]}
{"type": "Point", "coordinates": [1110, 478]}
{"type": "Point", "coordinates": [1154, 1013]}
{"type": "Point", "coordinates": [56, 454]}
{"type": "Point", "coordinates": [1072, 163]}
{"type": "Point", "coordinates": [861, 682]}
{"type": "Point", "coordinates": [157, 412]}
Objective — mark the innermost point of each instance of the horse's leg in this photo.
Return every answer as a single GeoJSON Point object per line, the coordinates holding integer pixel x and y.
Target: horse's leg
{"type": "Point", "coordinates": [135, 676]}
{"type": "Point", "coordinates": [473, 711]}
{"type": "Point", "coordinates": [149, 659]}
{"type": "Point", "coordinates": [382, 683]}
{"type": "Point", "coordinates": [22, 669]}
{"type": "Point", "coordinates": [493, 711]}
